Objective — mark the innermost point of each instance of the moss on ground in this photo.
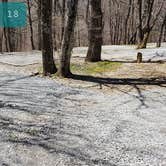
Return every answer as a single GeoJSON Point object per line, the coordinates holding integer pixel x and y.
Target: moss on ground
{"type": "Point", "coordinates": [95, 68]}
{"type": "Point", "coordinates": [91, 68]}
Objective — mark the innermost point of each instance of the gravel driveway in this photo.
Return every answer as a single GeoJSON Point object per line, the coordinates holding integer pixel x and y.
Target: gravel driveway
{"type": "Point", "coordinates": [43, 123]}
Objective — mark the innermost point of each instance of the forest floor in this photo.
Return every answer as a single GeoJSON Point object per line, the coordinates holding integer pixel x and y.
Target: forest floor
{"type": "Point", "coordinates": [111, 118]}
{"type": "Point", "coordinates": [119, 62]}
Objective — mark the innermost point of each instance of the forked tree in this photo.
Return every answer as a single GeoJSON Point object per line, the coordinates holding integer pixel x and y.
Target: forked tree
{"type": "Point", "coordinates": [146, 20]}
{"type": "Point", "coordinates": [161, 31]}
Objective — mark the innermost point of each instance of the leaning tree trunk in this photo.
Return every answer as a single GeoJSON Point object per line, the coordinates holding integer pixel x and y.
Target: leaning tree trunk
{"type": "Point", "coordinates": [47, 43]}
{"type": "Point", "coordinates": [143, 43]}
{"type": "Point", "coordinates": [95, 32]}
{"type": "Point", "coordinates": [67, 43]}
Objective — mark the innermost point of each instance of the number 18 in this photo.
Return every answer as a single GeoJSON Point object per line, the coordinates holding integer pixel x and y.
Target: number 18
{"type": "Point", "coordinates": [12, 14]}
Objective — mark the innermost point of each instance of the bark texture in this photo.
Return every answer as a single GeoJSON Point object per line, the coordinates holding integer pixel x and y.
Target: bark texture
{"type": "Point", "coordinates": [47, 43]}
{"type": "Point", "coordinates": [95, 32]}
{"type": "Point", "coordinates": [67, 43]}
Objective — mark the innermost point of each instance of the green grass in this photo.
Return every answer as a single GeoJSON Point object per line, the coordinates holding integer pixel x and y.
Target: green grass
{"type": "Point", "coordinates": [95, 68]}
{"type": "Point", "coordinates": [91, 68]}
{"type": "Point", "coordinates": [40, 69]}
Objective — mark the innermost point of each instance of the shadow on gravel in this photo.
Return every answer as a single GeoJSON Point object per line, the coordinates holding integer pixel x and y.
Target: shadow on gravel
{"type": "Point", "coordinates": [54, 136]}
{"type": "Point", "coordinates": [46, 136]}
{"type": "Point", "coordinates": [135, 83]}
{"type": "Point", "coordinates": [148, 61]}
{"type": "Point", "coordinates": [159, 81]}
{"type": "Point", "coordinates": [15, 79]}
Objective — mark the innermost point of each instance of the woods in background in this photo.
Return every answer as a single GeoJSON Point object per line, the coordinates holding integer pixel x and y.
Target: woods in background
{"type": "Point", "coordinates": [64, 24]}
{"type": "Point", "coordinates": [122, 23]}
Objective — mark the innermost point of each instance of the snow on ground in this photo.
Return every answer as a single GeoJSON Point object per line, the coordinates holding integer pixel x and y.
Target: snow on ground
{"type": "Point", "coordinates": [45, 123]}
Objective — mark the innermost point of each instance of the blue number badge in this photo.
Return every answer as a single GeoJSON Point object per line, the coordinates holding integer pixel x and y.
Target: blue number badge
{"type": "Point", "coordinates": [13, 14]}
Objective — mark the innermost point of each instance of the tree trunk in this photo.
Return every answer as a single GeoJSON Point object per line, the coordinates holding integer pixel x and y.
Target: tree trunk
{"type": "Point", "coordinates": [39, 24]}
{"type": "Point", "coordinates": [10, 39]}
{"type": "Point", "coordinates": [126, 21]}
{"type": "Point", "coordinates": [140, 35]}
{"type": "Point", "coordinates": [161, 32]}
{"type": "Point", "coordinates": [145, 26]}
{"type": "Point", "coordinates": [95, 32]}
{"type": "Point", "coordinates": [54, 25]}
{"type": "Point", "coordinates": [9, 34]}
{"type": "Point", "coordinates": [1, 40]}
{"type": "Point", "coordinates": [47, 43]}
{"type": "Point", "coordinates": [144, 42]}
{"type": "Point", "coordinates": [31, 26]}
{"type": "Point", "coordinates": [67, 44]}
{"type": "Point", "coordinates": [63, 18]}
{"type": "Point", "coordinates": [78, 32]}
{"type": "Point", "coordinates": [164, 34]}
{"type": "Point", "coordinates": [87, 16]}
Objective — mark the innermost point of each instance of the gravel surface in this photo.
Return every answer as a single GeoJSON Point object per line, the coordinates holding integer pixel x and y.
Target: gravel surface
{"type": "Point", "coordinates": [43, 123]}
{"type": "Point", "coordinates": [21, 58]}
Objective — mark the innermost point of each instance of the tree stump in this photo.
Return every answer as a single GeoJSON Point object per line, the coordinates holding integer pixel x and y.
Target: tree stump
{"type": "Point", "coordinates": [139, 57]}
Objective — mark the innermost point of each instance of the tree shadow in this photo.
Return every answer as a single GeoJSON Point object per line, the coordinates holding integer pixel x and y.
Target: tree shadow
{"type": "Point", "coordinates": [47, 136]}
{"type": "Point", "coordinates": [159, 81]}
{"type": "Point", "coordinates": [134, 83]}
{"type": "Point", "coordinates": [16, 79]}
{"type": "Point", "coordinates": [144, 62]}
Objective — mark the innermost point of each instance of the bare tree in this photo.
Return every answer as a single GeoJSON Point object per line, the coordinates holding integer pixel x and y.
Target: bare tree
{"type": "Point", "coordinates": [95, 32]}
{"type": "Point", "coordinates": [39, 23]}
{"type": "Point", "coordinates": [146, 21]}
{"type": "Point", "coordinates": [1, 40]}
{"type": "Point", "coordinates": [63, 17]}
{"type": "Point", "coordinates": [161, 31]}
{"type": "Point", "coordinates": [126, 21]}
{"type": "Point", "coordinates": [9, 33]}
{"type": "Point", "coordinates": [30, 24]}
{"type": "Point", "coordinates": [67, 44]}
{"type": "Point", "coordinates": [47, 43]}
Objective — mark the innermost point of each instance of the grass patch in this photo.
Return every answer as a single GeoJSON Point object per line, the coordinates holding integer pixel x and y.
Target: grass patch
{"type": "Point", "coordinates": [40, 69]}
{"type": "Point", "coordinates": [95, 68]}
{"type": "Point", "coordinates": [90, 68]}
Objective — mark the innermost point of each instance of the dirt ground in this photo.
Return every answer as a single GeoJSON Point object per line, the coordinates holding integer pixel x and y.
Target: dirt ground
{"type": "Point", "coordinates": [124, 71]}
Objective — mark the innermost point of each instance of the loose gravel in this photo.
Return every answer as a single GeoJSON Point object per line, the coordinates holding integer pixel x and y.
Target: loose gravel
{"type": "Point", "coordinates": [44, 123]}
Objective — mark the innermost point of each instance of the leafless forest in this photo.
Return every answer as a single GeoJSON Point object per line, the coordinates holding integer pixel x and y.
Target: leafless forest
{"type": "Point", "coordinates": [120, 23]}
